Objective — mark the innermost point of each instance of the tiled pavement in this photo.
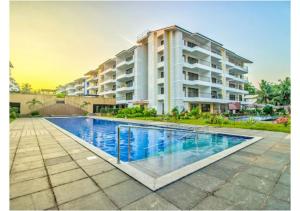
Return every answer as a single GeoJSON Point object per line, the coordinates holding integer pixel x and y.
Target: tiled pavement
{"type": "Point", "coordinates": [49, 170]}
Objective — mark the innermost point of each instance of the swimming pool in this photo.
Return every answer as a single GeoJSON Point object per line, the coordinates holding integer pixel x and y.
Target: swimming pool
{"type": "Point", "coordinates": [151, 151]}
{"type": "Point", "coordinates": [256, 118]}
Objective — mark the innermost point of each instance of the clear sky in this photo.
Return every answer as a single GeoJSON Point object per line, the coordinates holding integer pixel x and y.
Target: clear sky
{"type": "Point", "coordinates": [53, 43]}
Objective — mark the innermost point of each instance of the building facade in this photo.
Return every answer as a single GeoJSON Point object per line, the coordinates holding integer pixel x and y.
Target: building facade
{"type": "Point", "coordinates": [172, 67]}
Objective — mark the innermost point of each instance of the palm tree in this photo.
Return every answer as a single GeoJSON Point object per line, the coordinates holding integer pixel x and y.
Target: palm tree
{"type": "Point", "coordinates": [84, 104]}
{"type": "Point", "coordinates": [26, 88]}
{"type": "Point", "coordinates": [265, 92]}
{"type": "Point", "coordinates": [33, 103]}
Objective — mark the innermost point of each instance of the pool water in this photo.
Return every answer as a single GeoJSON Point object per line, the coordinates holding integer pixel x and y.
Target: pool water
{"type": "Point", "coordinates": [256, 118]}
{"type": "Point", "coordinates": [144, 142]}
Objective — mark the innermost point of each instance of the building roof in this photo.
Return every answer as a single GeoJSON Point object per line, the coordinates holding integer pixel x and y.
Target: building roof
{"type": "Point", "coordinates": [126, 51]}
{"type": "Point", "coordinates": [175, 27]}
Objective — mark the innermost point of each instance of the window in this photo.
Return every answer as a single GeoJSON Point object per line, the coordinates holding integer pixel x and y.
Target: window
{"type": "Point", "coordinates": [214, 80]}
{"type": "Point", "coordinates": [193, 92]}
{"type": "Point", "coordinates": [129, 71]}
{"type": "Point", "coordinates": [192, 60]}
{"type": "Point", "coordinates": [240, 98]}
{"type": "Point", "coordinates": [184, 91]}
{"type": "Point", "coordinates": [162, 58]}
{"type": "Point", "coordinates": [231, 85]}
{"type": "Point", "coordinates": [191, 45]}
{"type": "Point", "coordinates": [161, 74]}
{"type": "Point", "coordinates": [129, 58]}
{"type": "Point", "coordinates": [184, 75]}
{"type": "Point", "coordinates": [214, 94]}
{"type": "Point", "coordinates": [162, 42]}
{"type": "Point", "coordinates": [162, 90]}
{"type": "Point", "coordinates": [129, 96]}
{"type": "Point", "coordinates": [193, 76]}
{"type": "Point", "coordinates": [231, 97]}
{"type": "Point", "coordinates": [129, 83]}
{"type": "Point", "coordinates": [205, 107]}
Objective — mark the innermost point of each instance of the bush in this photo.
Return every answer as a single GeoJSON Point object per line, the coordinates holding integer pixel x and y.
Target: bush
{"type": "Point", "coordinates": [251, 121]}
{"type": "Point", "coordinates": [195, 113]}
{"type": "Point", "coordinates": [206, 115]}
{"type": "Point", "coordinates": [175, 113]}
{"type": "Point", "coordinates": [281, 111]}
{"type": "Point", "coordinates": [35, 113]}
{"type": "Point", "coordinates": [133, 112]}
{"type": "Point", "coordinates": [61, 95]}
{"type": "Point", "coordinates": [13, 113]}
{"type": "Point", "coordinates": [268, 110]}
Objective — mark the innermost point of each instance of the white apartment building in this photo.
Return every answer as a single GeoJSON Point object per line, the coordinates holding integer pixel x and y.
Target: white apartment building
{"type": "Point", "coordinates": [80, 86]}
{"type": "Point", "coordinates": [187, 69]}
{"type": "Point", "coordinates": [172, 67]}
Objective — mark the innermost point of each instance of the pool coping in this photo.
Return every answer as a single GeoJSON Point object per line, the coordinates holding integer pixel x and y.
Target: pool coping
{"type": "Point", "coordinates": [147, 180]}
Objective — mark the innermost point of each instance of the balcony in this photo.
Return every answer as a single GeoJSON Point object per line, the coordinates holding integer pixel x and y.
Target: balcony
{"type": "Point", "coordinates": [234, 66]}
{"type": "Point", "coordinates": [160, 97]}
{"type": "Point", "coordinates": [109, 81]}
{"type": "Point", "coordinates": [108, 91]}
{"type": "Point", "coordinates": [125, 76]}
{"type": "Point", "coordinates": [200, 65]}
{"type": "Point", "coordinates": [197, 49]}
{"type": "Point", "coordinates": [202, 82]}
{"type": "Point", "coordinates": [125, 64]}
{"type": "Point", "coordinates": [216, 83]}
{"type": "Point", "coordinates": [160, 48]}
{"type": "Point", "coordinates": [236, 78]}
{"type": "Point", "coordinates": [216, 54]}
{"type": "Point", "coordinates": [109, 70]}
{"type": "Point", "coordinates": [92, 87]}
{"type": "Point", "coordinates": [235, 90]}
{"type": "Point", "coordinates": [160, 65]}
{"type": "Point", "coordinates": [95, 78]}
{"type": "Point", "coordinates": [79, 86]}
{"type": "Point", "coordinates": [125, 88]}
{"type": "Point", "coordinates": [160, 80]}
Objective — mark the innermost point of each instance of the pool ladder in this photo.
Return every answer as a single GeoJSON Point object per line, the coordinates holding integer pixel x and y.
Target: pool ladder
{"type": "Point", "coordinates": [191, 129]}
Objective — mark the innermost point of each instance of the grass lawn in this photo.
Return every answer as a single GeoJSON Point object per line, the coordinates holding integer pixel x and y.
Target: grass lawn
{"type": "Point", "coordinates": [245, 125]}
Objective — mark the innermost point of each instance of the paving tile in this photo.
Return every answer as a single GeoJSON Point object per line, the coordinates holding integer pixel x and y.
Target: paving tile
{"type": "Point", "coordinates": [254, 183]}
{"type": "Point", "coordinates": [91, 161]}
{"type": "Point", "coordinates": [229, 164]}
{"type": "Point", "coordinates": [110, 178]}
{"type": "Point", "coordinates": [27, 187]}
{"type": "Point", "coordinates": [94, 201]}
{"type": "Point", "coordinates": [98, 168]}
{"type": "Point", "coordinates": [269, 163]}
{"type": "Point", "coordinates": [43, 199]}
{"type": "Point", "coordinates": [27, 175]}
{"type": "Point", "coordinates": [204, 181]}
{"type": "Point", "coordinates": [54, 169]}
{"type": "Point", "coordinates": [215, 203]}
{"type": "Point", "coordinates": [54, 155]}
{"type": "Point", "coordinates": [219, 172]}
{"type": "Point", "coordinates": [81, 155]}
{"type": "Point", "coordinates": [282, 192]}
{"type": "Point", "coordinates": [28, 159]}
{"type": "Point", "coordinates": [276, 204]}
{"type": "Point", "coordinates": [126, 192]}
{"type": "Point", "coordinates": [74, 190]}
{"type": "Point", "coordinates": [151, 202]}
{"type": "Point", "coordinates": [241, 197]}
{"type": "Point", "coordinates": [285, 179]}
{"type": "Point", "coordinates": [22, 203]}
{"type": "Point", "coordinates": [27, 166]}
{"type": "Point", "coordinates": [182, 195]}
{"type": "Point", "coordinates": [57, 160]}
{"type": "Point", "coordinates": [263, 173]}
{"type": "Point", "coordinates": [67, 177]}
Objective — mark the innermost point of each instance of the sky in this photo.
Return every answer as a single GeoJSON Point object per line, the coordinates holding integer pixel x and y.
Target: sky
{"type": "Point", "coordinates": [52, 43]}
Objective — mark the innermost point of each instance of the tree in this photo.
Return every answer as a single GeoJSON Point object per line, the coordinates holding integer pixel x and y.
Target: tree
{"type": "Point", "coordinates": [250, 88]}
{"type": "Point", "coordinates": [282, 92]}
{"type": "Point", "coordinates": [33, 103]}
{"type": "Point", "coordinates": [84, 104]}
{"type": "Point", "coordinates": [26, 88]}
{"type": "Point", "coordinates": [265, 92]}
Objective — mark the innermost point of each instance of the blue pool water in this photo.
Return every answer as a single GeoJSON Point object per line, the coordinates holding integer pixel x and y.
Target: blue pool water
{"type": "Point", "coordinates": [145, 142]}
{"type": "Point", "coordinates": [256, 118]}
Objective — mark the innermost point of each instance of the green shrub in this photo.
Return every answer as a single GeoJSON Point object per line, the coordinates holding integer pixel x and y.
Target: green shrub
{"type": "Point", "coordinates": [133, 112]}
{"type": "Point", "coordinates": [175, 113]}
{"type": "Point", "coordinates": [251, 121]}
{"type": "Point", "coordinates": [150, 112]}
{"type": "Point", "coordinates": [35, 113]}
{"type": "Point", "coordinates": [268, 110]}
{"type": "Point", "coordinates": [205, 115]}
{"type": "Point", "coordinates": [61, 95]}
{"type": "Point", "coordinates": [195, 113]}
{"type": "Point", "coordinates": [281, 111]}
{"type": "Point", "coordinates": [13, 113]}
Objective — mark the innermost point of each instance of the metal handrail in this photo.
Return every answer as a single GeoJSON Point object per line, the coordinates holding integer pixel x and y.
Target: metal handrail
{"type": "Point", "coordinates": [193, 130]}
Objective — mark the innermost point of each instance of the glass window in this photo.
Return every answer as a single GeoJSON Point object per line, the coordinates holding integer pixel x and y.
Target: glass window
{"type": "Point", "coordinates": [193, 92]}
{"type": "Point", "coordinates": [193, 76]}
{"type": "Point", "coordinates": [129, 96]}
{"type": "Point", "coordinates": [162, 42]}
{"type": "Point", "coordinates": [231, 97]}
{"type": "Point", "coordinates": [192, 60]}
{"type": "Point", "coordinates": [191, 45]}
{"type": "Point", "coordinates": [161, 74]}
{"type": "Point", "coordinates": [162, 90]}
{"type": "Point", "coordinates": [205, 107]}
{"type": "Point", "coordinates": [162, 58]}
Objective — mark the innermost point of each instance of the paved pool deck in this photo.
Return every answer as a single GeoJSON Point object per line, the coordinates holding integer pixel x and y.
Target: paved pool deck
{"type": "Point", "coordinates": [50, 170]}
